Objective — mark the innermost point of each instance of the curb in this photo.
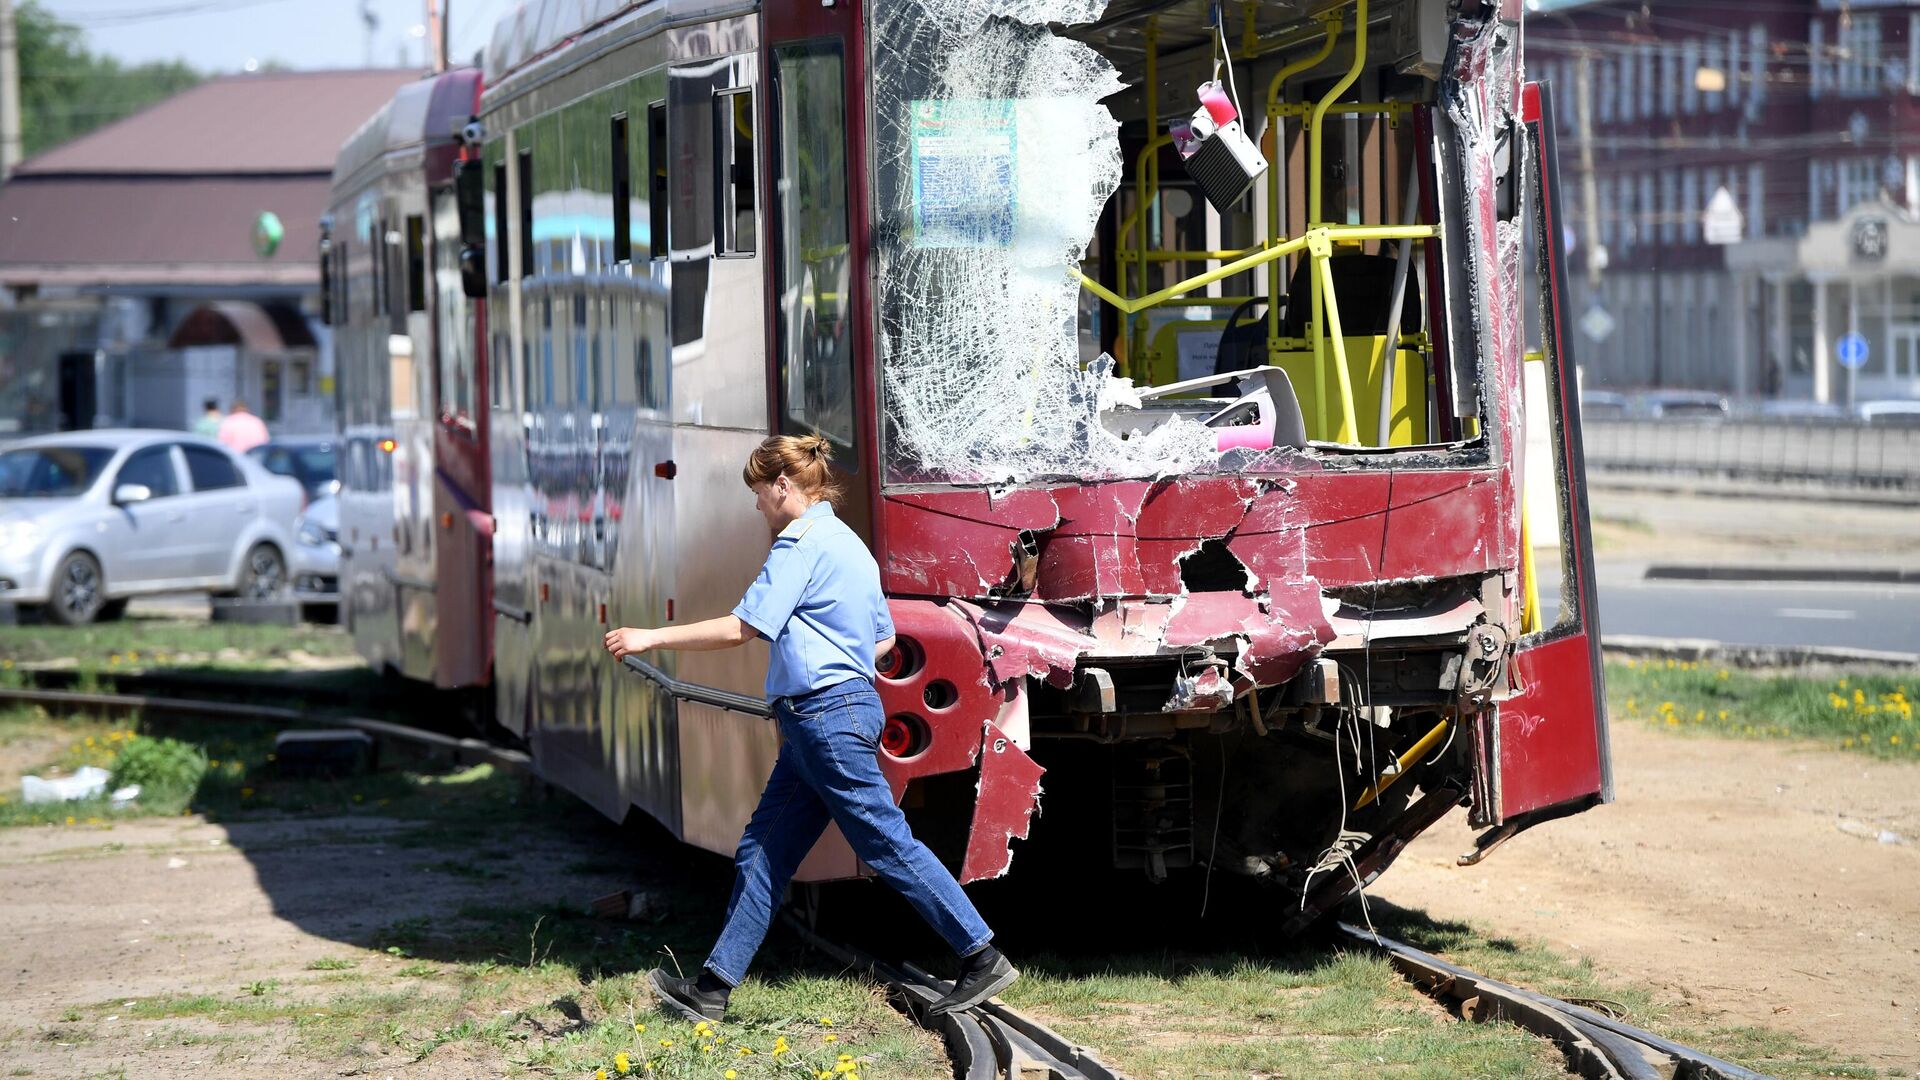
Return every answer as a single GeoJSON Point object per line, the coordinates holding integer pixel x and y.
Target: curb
{"type": "Point", "coordinates": [1711, 486]}
{"type": "Point", "coordinates": [1755, 656]}
{"type": "Point", "coordinates": [1816, 574]}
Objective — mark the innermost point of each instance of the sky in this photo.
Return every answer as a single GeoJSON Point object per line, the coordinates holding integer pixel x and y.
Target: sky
{"type": "Point", "coordinates": [222, 35]}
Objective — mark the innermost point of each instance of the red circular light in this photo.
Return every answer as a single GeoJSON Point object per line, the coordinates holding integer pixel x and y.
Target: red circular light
{"type": "Point", "coordinates": [892, 664]}
{"type": "Point", "coordinates": [904, 736]}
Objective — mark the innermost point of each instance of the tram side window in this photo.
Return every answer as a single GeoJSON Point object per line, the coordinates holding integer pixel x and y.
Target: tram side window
{"type": "Point", "coordinates": [815, 338]}
{"type": "Point", "coordinates": [657, 183]}
{"type": "Point", "coordinates": [733, 144]}
{"type": "Point", "coordinates": [526, 212]}
{"type": "Point", "coordinates": [499, 246]}
{"type": "Point", "coordinates": [622, 192]}
{"type": "Point", "coordinates": [416, 263]}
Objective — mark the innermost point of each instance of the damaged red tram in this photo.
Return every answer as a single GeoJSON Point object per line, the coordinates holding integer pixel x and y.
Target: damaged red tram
{"type": "Point", "coordinates": [1213, 443]}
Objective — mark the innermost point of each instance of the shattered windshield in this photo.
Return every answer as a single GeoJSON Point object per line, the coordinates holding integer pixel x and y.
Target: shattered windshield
{"type": "Point", "coordinates": [996, 152]}
{"type": "Point", "coordinates": [993, 158]}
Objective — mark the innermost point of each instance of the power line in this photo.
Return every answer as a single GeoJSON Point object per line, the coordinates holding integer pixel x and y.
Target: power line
{"type": "Point", "coordinates": [131, 16]}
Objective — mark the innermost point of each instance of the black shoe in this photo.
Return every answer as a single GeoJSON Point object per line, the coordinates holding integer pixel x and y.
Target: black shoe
{"type": "Point", "coordinates": [685, 997]}
{"type": "Point", "coordinates": [982, 975]}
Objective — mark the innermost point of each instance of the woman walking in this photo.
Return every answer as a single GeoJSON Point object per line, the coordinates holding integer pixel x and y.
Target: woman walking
{"type": "Point", "coordinates": [818, 602]}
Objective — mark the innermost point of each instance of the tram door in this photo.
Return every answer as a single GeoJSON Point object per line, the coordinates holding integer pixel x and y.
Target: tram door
{"type": "Point", "coordinates": [817, 346]}
{"type": "Point", "coordinates": [1552, 734]}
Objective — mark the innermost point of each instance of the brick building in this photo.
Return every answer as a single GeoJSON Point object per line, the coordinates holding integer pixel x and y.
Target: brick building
{"type": "Point", "coordinates": [1807, 114]}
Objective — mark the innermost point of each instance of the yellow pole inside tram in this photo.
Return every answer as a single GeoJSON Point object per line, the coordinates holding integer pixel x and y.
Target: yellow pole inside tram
{"type": "Point", "coordinates": [1407, 760]}
{"type": "Point", "coordinates": [1275, 222]}
{"type": "Point", "coordinates": [1323, 280]}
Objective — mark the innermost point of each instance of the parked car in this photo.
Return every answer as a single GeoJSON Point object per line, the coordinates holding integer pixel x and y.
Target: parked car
{"type": "Point", "coordinates": [90, 519]}
{"type": "Point", "coordinates": [311, 461]}
{"type": "Point", "coordinates": [1896, 413]}
{"type": "Point", "coordinates": [1602, 405]}
{"type": "Point", "coordinates": [1683, 405]}
{"type": "Point", "coordinates": [1802, 409]}
{"type": "Point", "coordinates": [316, 556]}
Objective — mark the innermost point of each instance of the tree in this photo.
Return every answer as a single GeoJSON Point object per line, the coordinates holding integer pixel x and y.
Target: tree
{"type": "Point", "coordinates": [67, 91]}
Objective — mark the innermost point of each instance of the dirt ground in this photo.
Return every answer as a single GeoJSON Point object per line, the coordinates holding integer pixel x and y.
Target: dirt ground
{"type": "Point", "coordinates": [181, 906]}
{"type": "Point", "coordinates": [1749, 881]}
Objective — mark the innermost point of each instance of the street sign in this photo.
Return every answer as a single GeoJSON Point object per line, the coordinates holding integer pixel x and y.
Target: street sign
{"type": "Point", "coordinates": [1597, 324]}
{"type": "Point", "coordinates": [1851, 351]}
{"type": "Point", "coordinates": [1723, 223]}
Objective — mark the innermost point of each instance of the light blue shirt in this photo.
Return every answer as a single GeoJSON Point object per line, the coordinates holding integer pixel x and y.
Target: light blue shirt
{"type": "Point", "coordinates": [818, 601]}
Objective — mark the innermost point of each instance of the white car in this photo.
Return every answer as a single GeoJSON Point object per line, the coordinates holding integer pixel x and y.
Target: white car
{"type": "Point", "coordinates": [316, 552]}
{"type": "Point", "coordinates": [90, 519]}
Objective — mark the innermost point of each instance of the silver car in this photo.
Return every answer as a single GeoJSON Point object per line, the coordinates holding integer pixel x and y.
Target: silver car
{"type": "Point", "coordinates": [316, 552]}
{"type": "Point", "coordinates": [89, 519]}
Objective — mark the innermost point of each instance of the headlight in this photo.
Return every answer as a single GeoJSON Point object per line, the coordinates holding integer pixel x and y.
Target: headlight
{"type": "Point", "coordinates": [18, 534]}
{"type": "Point", "coordinates": [311, 535]}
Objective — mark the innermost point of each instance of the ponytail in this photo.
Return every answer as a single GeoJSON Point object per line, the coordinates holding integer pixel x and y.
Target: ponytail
{"type": "Point", "coordinates": [804, 459]}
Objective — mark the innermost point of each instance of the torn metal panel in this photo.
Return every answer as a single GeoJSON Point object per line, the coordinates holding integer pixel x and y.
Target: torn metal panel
{"type": "Point", "coordinates": [1276, 633]}
{"type": "Point", "coordinates": [1008, 796]}
{"type": "Point", "coordinates": [1022, 640]}
{"type": "Point", "coordinates": [959, 542]}
{"type": "Point", "coordinates": [1093, 551]}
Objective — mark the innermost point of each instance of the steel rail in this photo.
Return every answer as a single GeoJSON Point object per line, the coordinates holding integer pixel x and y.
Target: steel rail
{"type": "Point", "coordinates": [1597, 1046]}
{"type": "Point", "coordinates": [988, 1042]}
{"type": "Point", "coordinates": [226, 710]}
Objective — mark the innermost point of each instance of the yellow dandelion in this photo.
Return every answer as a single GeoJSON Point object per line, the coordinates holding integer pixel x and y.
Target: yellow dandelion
{"type": "Point", "coordinates": [69, 819]}
{"type": "Point", "coordinates": [730, 1075]}
{"type": "Point", "coordinates": [1847, 742]}
{"type": "Point", "coordinates": [132, 656]}
{"type": "Point", "coordinates": [706, 1048]}
{"type": "Point", "coordinates": [599, 1074]}
{"type": "Point", "coordinates": [8, 664]}
{"type": "Point", "coordinates": [829, 1037]}
{"type": "Point", "coordinates": [666, 1042]}
{"type": "Point", "coordinates": [1843, 684]}
{"type": "Point", "coordinates": [1672, 720]}
{"type": "Point", "coordinates": [743, 1051]}
{"type": "Point", "coordinates": [1723, 714]}
{"type": "Point", "coordinates": [824, 1074]}
{"type": "Point", "coordinates": [641, 1028]}
{"type": "Point", "coordinates": [1893, 740]}
{"type": "Point", "coordinates": [843, 1067]}
{"type": "Point", "coordinates": [846, 1057]}
{"type": "Point", "coordinates": [1699, 716]}
{"type": "Point", "coordinates": [827, 1020]}
{"type": "Point", "coordinates": [89, 740]}
{"type": "Point", "coordinates": [621, 1063]}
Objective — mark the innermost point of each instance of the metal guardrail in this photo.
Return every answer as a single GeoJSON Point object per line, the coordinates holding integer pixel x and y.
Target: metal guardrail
{"type": "Point", "coordinates": [1838, 453]}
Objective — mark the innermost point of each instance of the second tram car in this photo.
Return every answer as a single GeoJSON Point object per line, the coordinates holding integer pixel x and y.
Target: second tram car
{"type": "Point", "coordinates": [1190, 429]}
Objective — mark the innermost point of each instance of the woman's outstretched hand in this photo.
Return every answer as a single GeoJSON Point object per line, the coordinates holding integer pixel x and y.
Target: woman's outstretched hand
{"type": "Point", "coordinates": [629, 640]}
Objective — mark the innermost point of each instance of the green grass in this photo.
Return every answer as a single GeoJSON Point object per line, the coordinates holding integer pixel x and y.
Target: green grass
{"type": "Point", "coordinates": [151, 642]}
{"type": "Point", "coordinates": [1861, 712]}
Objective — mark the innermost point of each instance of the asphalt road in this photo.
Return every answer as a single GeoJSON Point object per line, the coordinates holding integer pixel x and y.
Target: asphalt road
{"type": "Point", "coordinates": [1883, 617]}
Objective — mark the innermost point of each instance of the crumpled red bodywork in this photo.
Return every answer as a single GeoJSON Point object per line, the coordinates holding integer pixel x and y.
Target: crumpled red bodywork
{"type": "Point", "coordinates": [1105, 581]}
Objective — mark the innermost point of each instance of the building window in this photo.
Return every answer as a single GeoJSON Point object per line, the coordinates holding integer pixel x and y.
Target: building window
{"type": "Point", "coordinates": [1647, 78]}
{"type": "Point", "coordinates": [1648, 210]}
{"type": "Point", "coordinates": [1756, 68]}
{"type": "Point", "coordinates": [1734, 73]}
{"type": "Point", "coordinates": [1756, 200]}
{"type": "Point", "coordinates": [1690, 204]}
{"type": "Point", "coordinates": [1629, 67]}
{"type": "Point", "coordinates": [1690, 76]}
{"type": "Point", "coordinates": [1816, 58]}
{"type": "Point", "coordinates": [1669, 206]}
{"type": "Point", "coordinates": [1715, 61]}
{"type": "Point", "coordinates": [1608, 86]}
{"type": "Point", "coordinates": [1669, 80]}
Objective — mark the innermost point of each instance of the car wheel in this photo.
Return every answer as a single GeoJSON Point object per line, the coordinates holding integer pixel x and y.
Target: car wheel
{"type": "Point", "coordinates": [265, 574]}
{"type": "Point", "coordinates": [79, 590]}
{"type": "Point", "coordinates": [113, 610]}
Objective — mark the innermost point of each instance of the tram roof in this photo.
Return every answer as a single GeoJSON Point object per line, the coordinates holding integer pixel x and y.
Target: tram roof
{"type": "Point", "coordinates": [430, 110]}
{"type": "Point", "coordinates": [537, 27]}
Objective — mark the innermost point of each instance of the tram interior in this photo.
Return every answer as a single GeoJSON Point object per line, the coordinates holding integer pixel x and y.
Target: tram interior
{"type": "Point", "coordinates": [1284, 69]}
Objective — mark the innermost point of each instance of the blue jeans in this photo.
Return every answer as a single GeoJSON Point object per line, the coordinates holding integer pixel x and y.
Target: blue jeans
{"type": "Point", "coordinates": [829, 768]}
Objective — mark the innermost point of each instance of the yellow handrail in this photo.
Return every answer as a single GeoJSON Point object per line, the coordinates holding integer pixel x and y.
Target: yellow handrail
{"type": "Point", "coordinates": [1328, 234]}
{"type": "Point", "coordinates": [1275, 224]}
{"type": "Point", "coordinates": [1323, 280]}
{"type": "Point", "coordinates": [1399, 768]}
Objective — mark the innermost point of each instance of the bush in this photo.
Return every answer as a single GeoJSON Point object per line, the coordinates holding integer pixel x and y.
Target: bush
{"type": "Point", "coordinates": [167, 770]}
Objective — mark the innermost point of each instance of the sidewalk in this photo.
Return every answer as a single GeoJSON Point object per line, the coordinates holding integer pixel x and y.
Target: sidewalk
{"type": "Point", "coordinates": [1700, 531]}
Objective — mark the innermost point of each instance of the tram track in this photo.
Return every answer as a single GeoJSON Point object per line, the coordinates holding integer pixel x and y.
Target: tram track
{"type": "Point", "coordinates": [994, 1041]}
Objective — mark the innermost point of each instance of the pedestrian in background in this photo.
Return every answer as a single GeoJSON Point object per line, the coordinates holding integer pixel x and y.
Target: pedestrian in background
{"type": "Point", "coordinates": [241, 431]}
{"type": "Point", "coordinates": [209, 422]}
{"type": "Point", "coordinates": [818, 601]}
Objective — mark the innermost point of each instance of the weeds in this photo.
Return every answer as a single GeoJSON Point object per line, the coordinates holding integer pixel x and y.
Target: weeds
{"type": "Point", "coordinates": [1868, 713]}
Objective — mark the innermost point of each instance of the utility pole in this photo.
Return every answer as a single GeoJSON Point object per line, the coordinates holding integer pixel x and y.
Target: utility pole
{"type": "Point", "coordinates": [1589, 185]}
{"type": "Point", "coordinates": [372, 23]}
{"type": "Point", "coordinates": [10, 142]}
{"type": "Point", "coordinates": [436, 41]}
